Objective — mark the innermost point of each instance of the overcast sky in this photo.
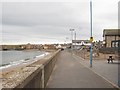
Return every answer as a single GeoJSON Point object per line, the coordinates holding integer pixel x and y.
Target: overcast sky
{"type": "Point", "coordinates": [49, 22]}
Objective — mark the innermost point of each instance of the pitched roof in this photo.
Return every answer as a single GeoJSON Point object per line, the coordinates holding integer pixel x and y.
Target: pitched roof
{"type": "Point", "coordinates": [111, 32]}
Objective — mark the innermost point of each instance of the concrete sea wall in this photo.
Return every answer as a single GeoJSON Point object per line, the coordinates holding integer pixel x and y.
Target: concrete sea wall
{"type": "Point", "coordinates": [35, 75]}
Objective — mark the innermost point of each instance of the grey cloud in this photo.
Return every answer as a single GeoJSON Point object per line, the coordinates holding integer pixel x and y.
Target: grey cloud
{"type": "Point", "coordinates": [35, 14]}
{"type": "Point", "coordinates": [42, 21]}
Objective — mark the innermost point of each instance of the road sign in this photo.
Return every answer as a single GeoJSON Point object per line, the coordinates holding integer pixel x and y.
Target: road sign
{"type": "Point", "coordinates": [91, 39]}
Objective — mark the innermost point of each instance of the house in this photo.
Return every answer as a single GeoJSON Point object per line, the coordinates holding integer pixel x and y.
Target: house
{"type": "Point", "coordinates": [49, 46]}
{"type": "Point", "coordinates": [111, 37]}
{"type": "Point", "coordinates": [28, 46]}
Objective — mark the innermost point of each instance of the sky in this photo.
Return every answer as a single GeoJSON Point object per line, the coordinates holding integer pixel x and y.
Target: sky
{"type": "Point", "coordinates": [50, 21]}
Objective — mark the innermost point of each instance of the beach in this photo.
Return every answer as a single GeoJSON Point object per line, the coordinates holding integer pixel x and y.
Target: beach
{"type": "Point", "coordinates": [13, 68]}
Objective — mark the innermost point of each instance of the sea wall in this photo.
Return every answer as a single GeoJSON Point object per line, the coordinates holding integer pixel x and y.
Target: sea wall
{"type": "Point", "coordinates": [35, 75]}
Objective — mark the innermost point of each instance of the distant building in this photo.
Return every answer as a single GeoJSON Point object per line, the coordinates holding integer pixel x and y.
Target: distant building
{"type": "Point", "coordinates": [111, 37]}
{"type": "Point", "coordinates": [78, 43]}
{"type": "Point", "coordinates": [0, 47]}
{"type": "Point", "coordinates": [58, 46]}
{"type": "Point", "coordinates": [28, 46]}
{"type": "Point", "coordinates": [49, 46]}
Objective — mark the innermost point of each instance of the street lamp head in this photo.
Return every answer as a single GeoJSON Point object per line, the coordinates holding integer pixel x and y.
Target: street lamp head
{"type": "Point", "coordinates": [72, 29]}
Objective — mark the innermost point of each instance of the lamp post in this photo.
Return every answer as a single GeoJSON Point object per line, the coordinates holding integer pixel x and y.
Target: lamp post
{"type": "Point", "coordinates": [75, 37]}
{"type": "Point", "coordinates": [72, 30]}
{"type": "Point", "coordinates": [71, 33]}
{"type": "Point", "coordinates": [91, 32]}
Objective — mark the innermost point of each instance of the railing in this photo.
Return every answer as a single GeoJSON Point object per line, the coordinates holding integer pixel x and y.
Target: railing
{"type": "Point", "coordinates": [35, 75]}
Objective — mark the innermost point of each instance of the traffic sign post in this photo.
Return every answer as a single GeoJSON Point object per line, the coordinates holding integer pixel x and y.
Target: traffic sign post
{"type": "Point", "coordinates": [91, 38]}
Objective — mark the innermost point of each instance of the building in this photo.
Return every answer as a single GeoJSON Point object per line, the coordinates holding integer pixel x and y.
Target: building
{"type": "Point", "coordinates": [78, 43]}
{"type": "Point", "coordinates": [49, 46]}
{"type": "Point", "coordinates": [28, 46]}
{"type": "Point", "coordinates": [0, 47]}
{"type": "Point", "coordinates": [111, 37]}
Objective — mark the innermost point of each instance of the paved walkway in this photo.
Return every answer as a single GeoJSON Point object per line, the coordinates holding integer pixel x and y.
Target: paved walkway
{"type": "Point", "coordinates": [69, 73]}
{"type": "Point", "coordinates": [101, 67]}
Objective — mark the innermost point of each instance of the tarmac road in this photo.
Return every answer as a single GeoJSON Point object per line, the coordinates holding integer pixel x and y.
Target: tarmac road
{"type": "Point", "coordinates": [69, 73]}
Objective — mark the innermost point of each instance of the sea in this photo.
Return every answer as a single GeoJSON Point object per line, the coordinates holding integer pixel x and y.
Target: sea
{"type": "Point", "coordinates": [13, 57]}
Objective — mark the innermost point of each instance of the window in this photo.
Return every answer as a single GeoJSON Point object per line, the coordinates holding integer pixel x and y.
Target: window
{"type": "Point", "coordinates": [113, 44]}
{"type": "Point", "coordinates": [116, 44]}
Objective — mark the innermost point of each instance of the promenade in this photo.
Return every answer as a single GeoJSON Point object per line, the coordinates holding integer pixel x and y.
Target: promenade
{"type": "Point", "coordinates": [102, 68]}
{"type": "Point", "coordinates": [71, 72]}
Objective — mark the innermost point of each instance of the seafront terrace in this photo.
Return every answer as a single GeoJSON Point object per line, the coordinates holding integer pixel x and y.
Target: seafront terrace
{"type": "Point", "coordinates": [63, 69]}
